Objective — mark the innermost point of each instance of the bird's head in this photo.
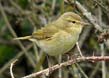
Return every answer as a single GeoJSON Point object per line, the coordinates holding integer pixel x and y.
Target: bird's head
{"type": "Point", "coordinates": [70, 19]}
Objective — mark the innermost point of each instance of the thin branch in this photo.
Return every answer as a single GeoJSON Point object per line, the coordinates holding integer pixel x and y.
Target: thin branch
{"type": "Point", "coordinates": [7, 42]}
{"type": "Point", "coordinates": [67, 63]}
{"type": "Point", "coordinates": [2, 69]}
{"type": "Point", "coordinates": [103, 62]}
{"type": "Point", "coordinates": [11, 72]}
{"type": "Point", "coordinates": [81, 70]}
{"type": "Point", "coordinates": [14, 34]}
{"type": "Point", "coordinates": [60, 70]}
{"type": "Point", "coordinates": [94, 71]}
{"type": "Point", "coordinates": [80, 52]}
{"type": "Point", "coordinates": [103, 7]}
{"type": "Point", "coordinates": [89, 16]}
{"type": "Point", "coordinates": [22, 12]}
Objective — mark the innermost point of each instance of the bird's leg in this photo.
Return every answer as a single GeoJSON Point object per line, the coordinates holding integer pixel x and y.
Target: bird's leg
{"type": "Point", "coordinates": [80, 52]}
{"type": "Point", "coordinates": [49, 65]}
{"type": "Point", "coordinates": [60, 69]}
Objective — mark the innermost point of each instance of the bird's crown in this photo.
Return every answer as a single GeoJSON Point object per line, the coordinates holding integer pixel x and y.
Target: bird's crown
{"type": "Point", "coordinates": [71, 16]}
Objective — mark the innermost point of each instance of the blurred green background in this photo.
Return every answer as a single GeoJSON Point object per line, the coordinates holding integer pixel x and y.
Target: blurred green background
{"type": "Point", "coordinates": [22, 17]}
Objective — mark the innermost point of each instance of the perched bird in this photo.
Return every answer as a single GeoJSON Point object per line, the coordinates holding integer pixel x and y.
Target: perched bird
{"type": "Point", "coordinates": [60, 36]}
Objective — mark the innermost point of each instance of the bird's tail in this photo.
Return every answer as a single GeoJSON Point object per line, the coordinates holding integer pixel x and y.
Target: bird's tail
{"type": "Point", "coordinates": [23, 38]}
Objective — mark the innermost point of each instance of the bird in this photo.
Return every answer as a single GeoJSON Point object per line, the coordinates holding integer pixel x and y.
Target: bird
{"type": "Point", "coordinates": [60, 36]}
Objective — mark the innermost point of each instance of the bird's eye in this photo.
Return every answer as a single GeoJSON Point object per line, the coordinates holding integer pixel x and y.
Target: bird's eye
{"type": "Point", "coordinates": [73, 21]}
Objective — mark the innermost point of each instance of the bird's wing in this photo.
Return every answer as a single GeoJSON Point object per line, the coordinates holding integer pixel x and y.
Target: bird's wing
{"type": "Point", "coordinates": [45, 32]}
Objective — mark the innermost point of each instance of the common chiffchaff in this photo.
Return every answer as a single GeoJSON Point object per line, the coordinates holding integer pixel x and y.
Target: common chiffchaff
{"type": "Point", "coordinates": [60, 36]}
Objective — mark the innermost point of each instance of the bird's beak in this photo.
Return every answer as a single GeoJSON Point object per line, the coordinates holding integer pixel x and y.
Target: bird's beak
{"type": "Point", "coordinates": [84, 23]}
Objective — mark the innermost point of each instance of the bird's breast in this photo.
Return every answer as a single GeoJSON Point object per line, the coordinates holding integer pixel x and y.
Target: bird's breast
{"type": "Point", "coordinates": [60, 43]}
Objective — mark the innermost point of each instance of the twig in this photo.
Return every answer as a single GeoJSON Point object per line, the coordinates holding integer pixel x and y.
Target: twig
{"type": "Point", "coordinates": [102, 45]}
{"type": "Point", "coordinates": [70, 62]}
{"type": "Point", "coordinates": [53, 6]}
{"type": "Point", "coordinates": [95, 70]}
{"type": "Point", "coordinates": [7, 42]}
{"type": "Point", "coordinates": [81, 70]}
{"type": "Point", "coordinates": [13, 3]}
{"type": "Point", "coordinates": [103, 62]}
{"type": "Point", "coordinates": [12, 64]}
{"type": "Point", "coordinates": [80, 52]}
{"type": "Point", "coordinates": [14, 34]}
{"type": "Point", "coordinates": [103, 7]}
{"type": "Point", "coordinates": [89, 16]}
{"type": "Point", "coordinates": [22, 12]}
{"type": "Point", "coordinates": [2, 69]}
{"type": "Point", "coordinates": [74, 70]}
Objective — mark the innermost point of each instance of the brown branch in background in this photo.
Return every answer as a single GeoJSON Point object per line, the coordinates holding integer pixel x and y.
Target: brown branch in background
{"type": "Point", "coordinates": [104, 8]}
{"type": "Point", "coordinates": [92, 19]}
{"type": "Point", "coordinates": [15, 36]}
{"type": "Point", "coordinates": [89, 16]}
{"type": "Point", "coordinates": [7, 42]}
{"type": "Point", "coordinates": [11, 10]}
{"type": "Point", "coordinates": [69, 62]}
